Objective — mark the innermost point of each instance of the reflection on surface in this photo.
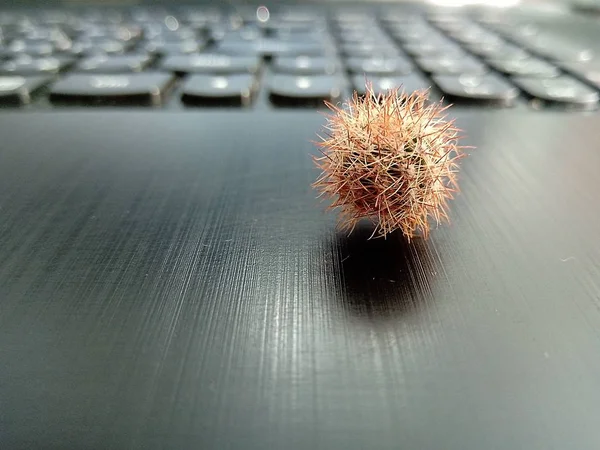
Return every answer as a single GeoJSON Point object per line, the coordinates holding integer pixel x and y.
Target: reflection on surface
{"type": "Point", "coordinates": [382, 278]}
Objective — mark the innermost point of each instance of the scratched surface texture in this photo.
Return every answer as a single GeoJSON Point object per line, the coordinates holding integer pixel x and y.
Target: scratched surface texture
{"type": "Point", "coordinates": [171, 281]}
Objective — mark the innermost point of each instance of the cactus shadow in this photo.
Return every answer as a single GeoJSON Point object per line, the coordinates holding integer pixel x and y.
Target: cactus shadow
{"type": "Point", "coordinates": [382, 278]}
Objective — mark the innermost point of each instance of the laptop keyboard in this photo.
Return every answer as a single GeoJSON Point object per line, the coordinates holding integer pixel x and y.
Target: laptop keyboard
{"type": "Point", "coordinates": [201, 58]}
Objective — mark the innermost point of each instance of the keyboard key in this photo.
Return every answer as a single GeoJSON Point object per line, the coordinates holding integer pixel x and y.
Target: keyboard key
{"type": "Point", "coordinates": [109, 46]}
{"type": "Point", "coordinates": [556, 49]}
{"type": "Point", "coordinates": [114, 63]}
{"type": "Point", "coordinates": [245, 34]}
{"type": "Point", "coordinates": [370, 49]}
{"type": "Point", "coordinates": [122, 33]}
{"type": "Point", "coordinates": [27, 65]}
{"type": "Point", "coordinates": [219, 90]}
{"type": "Point", "coordinates": [472, 33]}
{"type": "Point", "coordinates": [409, 83]}
{"type": "Point", "coordinates": [274, 47]}
{"type": "Point", "coordinates": [30, 48]}
{"type": "Point", "coordinates": [515, 31]}
{"type": "Point", "coordinates": [450, 24]}
{"type": "Point", "coordinates": [531, 67]}
{"type": "Point", "coordinates": [362, 35]}
{"type": "Point", "coordinates": [488, 88]}
{"type": "Point", "coordinates": [434, 49]}
{"type": "Point", "coordinates": [142, 88]}
{"type": "Point", "coordinates": [271, 47]}
{"type": "Point", "coordinates": [379, 66]}
{"type": "Point", "coordinates": [313, 90]}
{"type": "Point", "coordinates": [415, 33]}
{"type": "Point", "coordinates": [16, 90]}
{"type": "Point", "coordinates": [314, 35]}
{"type": "Point", "coordinates": [588, 71]}
{"type": "Point", "coordinates": [246, 48]}
{"type": "Point", "coordinates": [212, 63]}
{"type": "Point", "coordinates": [305, 65]}
{"type": "Point", "coordinates": [500, 52]}
{"type": "Point", "coordinates": [167, 48]}
{"type": "Point", "coordinates": [560, 90]}
{"type": "Point", "coordinates": [486, 39]}
{"type": "Point", "coordinates": [445, 65]}
{"type": "Point", "coordinates": [285, 30]}
{"type": "Point", "coordinates": [397, 18]}
{"type": "Point", "coordinates": [161, 31]}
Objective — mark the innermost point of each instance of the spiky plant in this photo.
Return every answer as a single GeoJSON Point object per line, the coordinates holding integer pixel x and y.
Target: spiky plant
{"type": "Point", "coordinates": [390, 157]}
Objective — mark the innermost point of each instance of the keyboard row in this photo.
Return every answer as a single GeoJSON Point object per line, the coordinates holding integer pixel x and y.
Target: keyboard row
{"type": "Point", "coordinates": [485, 61]}
{"type": "Point", "coordinates": [154, 88]}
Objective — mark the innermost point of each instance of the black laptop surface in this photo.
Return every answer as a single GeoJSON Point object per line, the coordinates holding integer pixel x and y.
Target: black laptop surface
{"type": "Point", "coordinates": [169, 279]}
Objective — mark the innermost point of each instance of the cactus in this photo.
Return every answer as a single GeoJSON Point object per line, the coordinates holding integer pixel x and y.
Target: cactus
{"type": "Point", "coordinates": [390, 157]}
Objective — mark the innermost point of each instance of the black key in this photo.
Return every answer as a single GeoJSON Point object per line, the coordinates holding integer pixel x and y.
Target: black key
{"type": "Point", "coordinates": [451, 24]}
{"type": "Point", "coordinates": [212, 63]}
{"type": "Point", "coordinates": [349, 27]}
{"type": "Point", "coordinates": [219, 90]}
{"type": "Point", "coordinates": [63, 46]}
{"type": "Point", "coordinates": [394, 18]}
{"type": "Point", "coordinates": [367, 49]}
{"type": "Point", "coordinates": [287, 28]}
{"type": "Point", "coordinates": [568, 54]}
{"type": "Point", "coordinates": [435, 49]}
{"type": "Point", "coordinates": [305, 65]}
{"type": "Point", "coordinates": [555, 49]}
{"type": "Point", "coordinates": [27, 65]}
{"type": "Point", "coordinates": [122, 33]}
{"type": "Point", "coordinates": [315, 35]}
{"type": "Point", "coordinates": [485, 41]}
{"type": "Point", "coordinates": [448, 66]}
{"type": "Point", "coordinates": [415, 33]}
{"type": "Point", "coordinates": [16, 90]}
{"type": "Point", "coordinates": [54, 17]}
{"type": "Point", "coordinates": [199, 17]}
{"type": "Point", "coordinates": [560, 90]}
{"type": "Point", "coordinates": [152, 31]}
{"type": "Point", "coordinates": [407, 83]}
{"type": "Point", "coordinates": [125, 32]}
{"type": "Point", "coordinates": [30, 48]}
{"type": "Point", "coordinates": [44, 35]}
{"type": "Point", "coordinates": [246, 48]}
{"type": "Point", "coordinates": [109, 46]}
{"type": "Point", "coordinates": [243, 34]}
{"type": "Point", "coordinates": [313, 90]}
{"type": "Point", "coordinates": [531, 67]}
{"type": "Point", "coordinates": [472, 33]}
{"type": "Point", "coordinates": [102, 16]}
{"type": "Point", "coordinates": [363, 35]}
{"type": "Point", "coordinates": [142, 88]}
{"type": "Point", "coordinates": [499, 51]}
{"type": "Point", "coordinates": [182, 47]}
{"type": "Point", "coordinates": [114, 63]}
{"type": "Point", "coordinates": [272, 47]}
{"type": "Point", "coordinates": [489, 88]}
{"type": "Point", "coordinates": [515, 31]}
{"type": "Point", "coordinates": [588, 71]}
{"type": "Point", "coordinates": [174, 36]}
{"type": "Point", "coordinates": [379, 66]}
{"type": "Point", "coordinates": [364, 52]}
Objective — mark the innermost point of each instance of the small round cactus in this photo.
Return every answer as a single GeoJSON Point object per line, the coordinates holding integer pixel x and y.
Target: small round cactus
{"type": "Point", "coordinates": [390, 157]}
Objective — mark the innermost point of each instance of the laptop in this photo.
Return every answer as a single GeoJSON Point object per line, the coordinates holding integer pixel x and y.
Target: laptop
{"type": "Point", "coordinates": [170, 279]}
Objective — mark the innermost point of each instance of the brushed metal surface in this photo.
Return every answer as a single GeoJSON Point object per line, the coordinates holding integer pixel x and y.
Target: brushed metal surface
{"type": "Point", "coordinates": [171, 281]}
